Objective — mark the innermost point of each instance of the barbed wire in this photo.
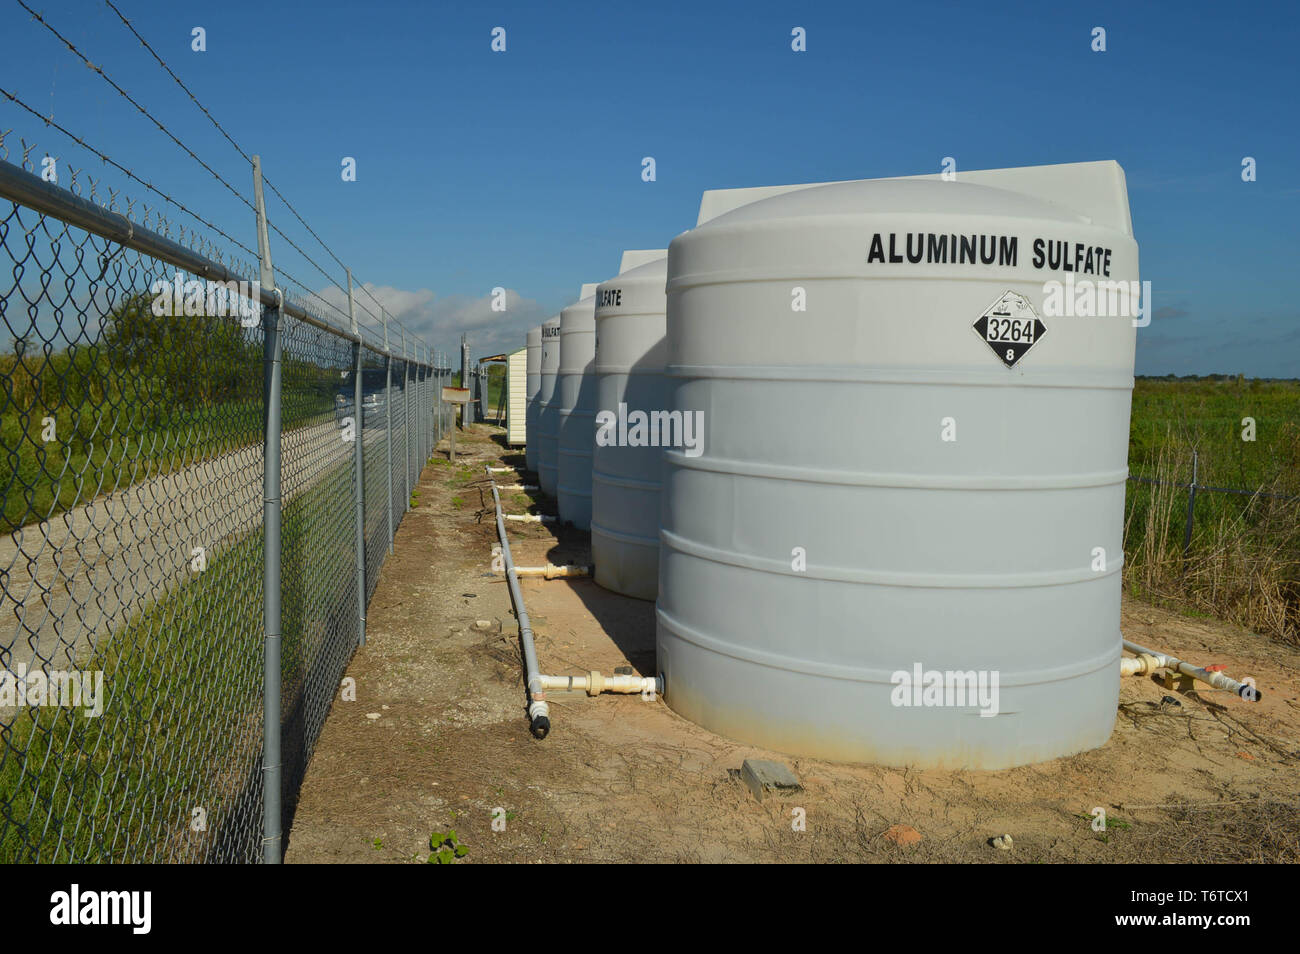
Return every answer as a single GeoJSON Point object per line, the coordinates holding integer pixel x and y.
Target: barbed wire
{"type": "Point", "coordinates": [12, 97]}
{"type": "Point", "coordinates": [378, 303]}
{"type": "Point", "coordinates": [282, 274]}
{"type": "Point", "coordinates": [1218, 490]}
{"type": "Point", "coordinates": [211, 118]}
{"type": "Point", "coordinates": [48, 120]}
{"type": "Point", "coordinates": [108, 79]}
{"type": "Point", "coordinates": [127, 96]}
{"type": "Point", "coordinates": [253, 256]}
{"type": "Point", "coordinates": [247, 158]}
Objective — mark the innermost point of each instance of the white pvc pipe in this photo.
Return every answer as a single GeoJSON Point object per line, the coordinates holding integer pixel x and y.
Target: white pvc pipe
{"type": "Point", "coordinates": [551, 571]}
{"type": "Point", "coordinates": [538, 711]}
{"type": "Point", "coordinates": [1216, 679]}
{"type": "Point", "coordinates": [1138, 665]}
{"type": "Point", "coordinates": [519, 487]}
{"type": "Point", "coordinates": [593, 683]}
{"type": "Point", "coordinates": [530, 517]}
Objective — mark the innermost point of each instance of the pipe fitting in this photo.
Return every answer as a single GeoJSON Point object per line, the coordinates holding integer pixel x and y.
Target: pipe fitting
{"type": "Point", "coordinates": [549, 572]}
{"type": "Point", "coordinates": [1138, 665]}
{"type": "Point", "coordinates": [1216, 679]}
{"type": "Point", "coordinates": [594, 683]}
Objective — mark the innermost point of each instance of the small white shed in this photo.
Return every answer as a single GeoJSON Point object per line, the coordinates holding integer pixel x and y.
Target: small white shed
{"type": "Point", "coordinates": [517, 397]}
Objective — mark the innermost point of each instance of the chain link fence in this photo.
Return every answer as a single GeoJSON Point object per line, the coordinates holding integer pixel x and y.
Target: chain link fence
{"type": "Point", "coordinates": [136, 396]}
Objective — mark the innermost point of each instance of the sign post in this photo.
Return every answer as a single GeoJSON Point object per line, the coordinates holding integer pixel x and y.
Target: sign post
{"type": "Point", "coordinates": [455, 396]}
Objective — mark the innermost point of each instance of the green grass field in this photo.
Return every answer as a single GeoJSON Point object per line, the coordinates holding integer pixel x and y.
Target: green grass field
{"type": "Point", "coordinates": [84, 420]}
{"type": "Point", "coordinates": [1243, 564]}
{"type": "Point", "coordinates": [182, 721]}
{"type": "Point", "coordinates": [1171, 417]}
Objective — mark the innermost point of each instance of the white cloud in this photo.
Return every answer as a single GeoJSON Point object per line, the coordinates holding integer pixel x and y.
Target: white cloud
{"type": "Point", "coordinates": [441, 321]}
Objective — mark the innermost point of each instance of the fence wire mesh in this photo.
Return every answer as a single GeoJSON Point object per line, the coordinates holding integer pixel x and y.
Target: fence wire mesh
{"type": "Point", "coordinates": [132, 555]}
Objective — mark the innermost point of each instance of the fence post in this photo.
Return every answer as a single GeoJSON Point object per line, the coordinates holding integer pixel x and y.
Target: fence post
{"type": "Point", "coordinates": [437, 400]}
{"type": "Point", "coordinates": [419, 419]}
{"type": "Point", "coordinates": [427, 413]}
{"type": "Point", "coordinates": [271, 382]}
{"type": "Point", "coordinates": [420, 422]}
{"type": "Point", "coordinates": [466, 381]}
{"type": "Point", "coordinates": [1191, 504]}
{"type": "Point", "coordinates": [406, 423]}
{"type": "Point", "coordinates": [388, 438]}
{"type": "Point", "coordinates": [359, 465]}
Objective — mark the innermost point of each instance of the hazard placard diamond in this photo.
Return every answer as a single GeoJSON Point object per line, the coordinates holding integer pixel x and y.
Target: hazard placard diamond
{"type": "Point", "coordinates": [1010, 327]}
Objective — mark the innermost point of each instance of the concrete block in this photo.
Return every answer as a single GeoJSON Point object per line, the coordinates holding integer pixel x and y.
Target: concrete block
{"type": "Point", "coordinates": [763, 777]}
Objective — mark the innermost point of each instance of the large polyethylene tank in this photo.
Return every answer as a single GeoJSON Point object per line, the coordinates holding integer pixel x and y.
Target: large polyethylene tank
{"type": "Point", "coordinates": [548, 407]}
{"type": "Point", "coordinates": [576, 391]}
{"type": "Point", "coordinates": [913, 469]}
{"type": "Point", "coordinates": [533, 385]}
{"type": "Point", "coordinates": [630, 350]}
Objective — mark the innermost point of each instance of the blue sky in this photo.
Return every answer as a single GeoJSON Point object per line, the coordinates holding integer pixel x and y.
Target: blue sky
{"type": "Point", "coordinates": [522, 170]}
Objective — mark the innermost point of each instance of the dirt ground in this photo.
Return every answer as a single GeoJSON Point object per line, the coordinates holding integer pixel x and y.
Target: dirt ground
{"type": "Point", "coordinates": [437, 738]}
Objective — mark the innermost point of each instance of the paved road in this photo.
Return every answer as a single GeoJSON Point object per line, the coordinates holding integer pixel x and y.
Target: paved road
{"type": "Point", "coordinates": [67, 581]}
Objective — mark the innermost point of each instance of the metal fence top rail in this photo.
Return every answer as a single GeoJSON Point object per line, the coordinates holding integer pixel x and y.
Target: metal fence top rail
{"type": "Point", "coordinates": [29, 189]}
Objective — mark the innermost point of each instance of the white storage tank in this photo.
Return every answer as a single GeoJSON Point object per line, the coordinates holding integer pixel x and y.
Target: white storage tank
{"type": "Point", "coordinates": [902, 540]}
{"type": "Point", "coordinates": [548, 407]}
{"type": "Point", "coordinates": [576, 392]}
{"type": "Point", "coordinates": [630, 386]}
{"type": "Point", "coordinates": [533, 385]}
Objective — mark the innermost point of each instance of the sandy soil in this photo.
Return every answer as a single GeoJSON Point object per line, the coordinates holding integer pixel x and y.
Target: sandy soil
{"type": "Point", "coordinates": [437, 738]}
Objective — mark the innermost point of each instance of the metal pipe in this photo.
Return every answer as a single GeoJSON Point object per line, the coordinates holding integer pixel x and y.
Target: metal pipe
{"type": "Point", "coordinates": [388, 436]}
{"type": "Point", "coordinates": [406, 427]}
{"type": "Point", "coordinates": [1216, 679]}
{"type": "Point", "coordinates": [437, 403]}
{"type": "Point", "coordinates": [1191, 508]}
{"type": "Point", "coordinates": [271, 760]}
{"type": "Point", "coordinates": [418, 430]}
{"type": "Point", "coordinates": [538, 711]}
{"type": "Point", "coordinates": [426, 412]}
{"type": "Point", "coordinates": [359, 468]}
{"type": "Point", "coordinates": [466, 381]}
